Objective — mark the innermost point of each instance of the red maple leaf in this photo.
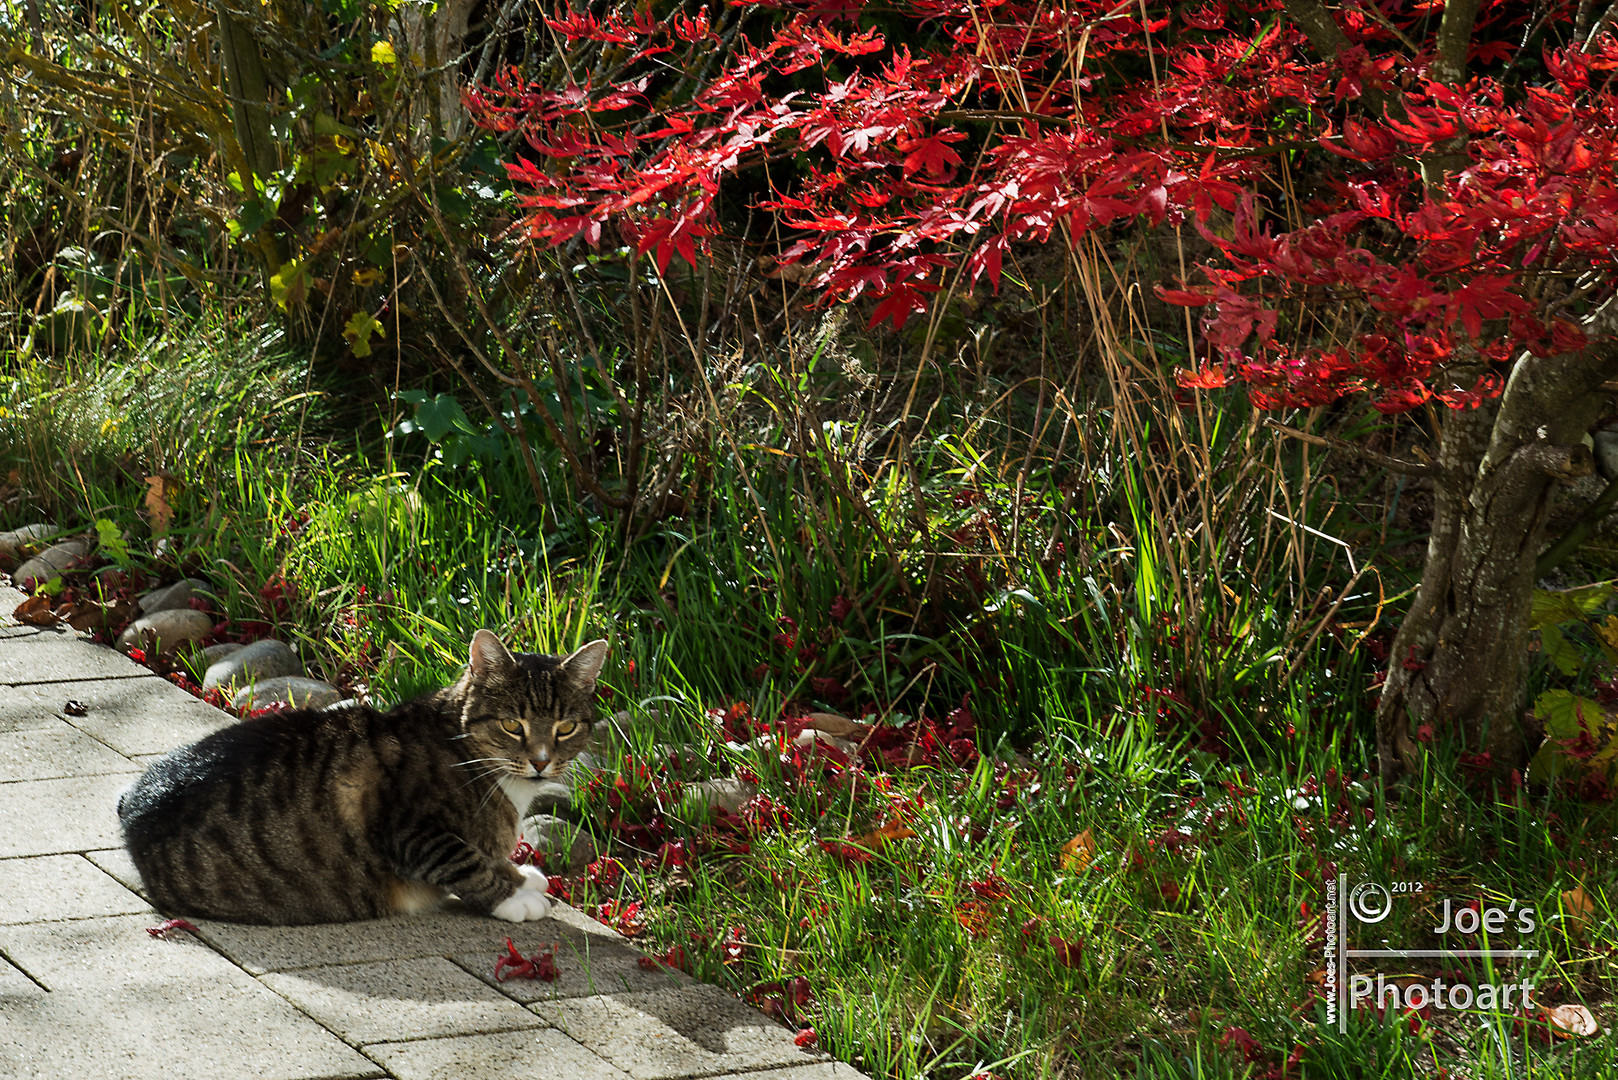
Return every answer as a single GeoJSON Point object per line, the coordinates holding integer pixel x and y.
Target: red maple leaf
{"type": "Point", "coordinates": [931, 155]}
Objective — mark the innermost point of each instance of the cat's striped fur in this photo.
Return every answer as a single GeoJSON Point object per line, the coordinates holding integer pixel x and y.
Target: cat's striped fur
{"type": "Point", "coordinates": [350, 813]}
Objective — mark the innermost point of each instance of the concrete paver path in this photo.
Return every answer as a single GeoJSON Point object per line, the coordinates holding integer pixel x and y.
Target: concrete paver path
{"type": "Point", "coordinates": [87, 994]}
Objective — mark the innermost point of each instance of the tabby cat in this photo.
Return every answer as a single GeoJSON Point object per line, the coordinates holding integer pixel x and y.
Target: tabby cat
{"type": "Point", "coordinates": [346, 813]}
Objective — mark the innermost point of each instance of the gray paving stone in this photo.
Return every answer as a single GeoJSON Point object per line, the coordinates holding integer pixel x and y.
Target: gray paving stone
{"type": "Point", "coordinates": [825, 1070]}
{"type": "Point", "coordinates": [116, 863]}
{"type": "Point", "coordinates": [514, 1055]}
{"type": "Point", "coordinates": [133, 716]}
{"type": "Point", "coordinates": [395, 1000]}
{"type": "Point", "coordinates": [48, 817]}
{"type": "Point", "coordinates": [50, 887]}
{"type": "Point", "coordinates": [16, 989]}
{"type": "Point", "coordinates": [568, 915]}
{"type": "Point", "coordinates": [12, 631]}
{"type": "Point", "coordinates": [667, 1034]}
{"type": "Point", "coordinates": [55, 749]}
{"type": "Point", "coordinates": [586, 965]}
{"type": "Point", "coordinates": [52, 656]}
{"type": "Point", "coordinates": [127, 1006]}
{"type": "Point", "coordinates": [9, 599]}
{"type": "Point", "coordinates": [288, 948]}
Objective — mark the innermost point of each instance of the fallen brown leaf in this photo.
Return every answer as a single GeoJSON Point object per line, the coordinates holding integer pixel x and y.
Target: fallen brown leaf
{"type": "Point", "coordinates": [160, 491]}
{"type": "Point", "coordinates": [87, 615]}
{"type": "Point", "coordinates": [893, 830]}
{"type": "Point", "coordinates": [1079, 852]}
{"type": "Point", "coordinates": [1578, 908]}
{"type": "Point", "coordinates": [841, 726]}
{"type": "Point", "coordinates": [1568, 1021]}
{"type": "Point", "coordinates": [36, 611]}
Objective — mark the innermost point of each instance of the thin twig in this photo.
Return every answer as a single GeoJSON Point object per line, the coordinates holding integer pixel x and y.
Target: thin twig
{"type": "Point", "coordinates": [1393, 464]}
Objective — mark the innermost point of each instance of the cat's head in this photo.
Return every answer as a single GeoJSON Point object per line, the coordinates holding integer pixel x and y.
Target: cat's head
{"type": "Point", "coordinates": [528, 714]}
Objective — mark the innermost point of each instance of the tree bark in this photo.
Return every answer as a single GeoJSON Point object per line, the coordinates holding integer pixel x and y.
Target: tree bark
{"type": "Point", "coordinates": [1457, 660]}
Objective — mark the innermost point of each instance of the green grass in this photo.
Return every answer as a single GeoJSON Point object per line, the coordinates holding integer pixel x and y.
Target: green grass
{"type": "Point", "coordinates": [1182, 724]}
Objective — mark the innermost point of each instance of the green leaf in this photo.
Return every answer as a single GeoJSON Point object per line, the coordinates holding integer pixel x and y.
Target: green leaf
{"type": "Point", "coordinates": [1558, 651]}
{"type": "Point", "coordinates": [442, 415]}
{"type": "Point", "coordinates": [112, 541]}
{"type": "Point", "coordinates": [290, 284]}
{"type": "Point", "coordinates": [1551, 606]}
{"type": "Point", "coordinates": [1567, 715]}
{"type": "Point", "coordinates": [256, 213]}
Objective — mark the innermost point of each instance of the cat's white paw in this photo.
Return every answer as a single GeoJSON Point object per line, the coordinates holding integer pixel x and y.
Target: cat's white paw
{"type": "Point", "coordinates": [530, 901]}
{"type": "Point", "coordinates": [524, 905]}
{"type": "Point", "coordinates": [533, 878]}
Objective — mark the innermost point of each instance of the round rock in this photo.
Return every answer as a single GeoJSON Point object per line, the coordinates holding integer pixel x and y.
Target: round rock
{"type": "Point", "coordinates": [558, 836]}
{"type": "Point", "coordinates": [49, 564]}
{"type": "Point", "coordinates": [728, 793]}
{"type": "Point", "coordinates": [215, 653]}
{"type": "Point", "coordinates": [286, 689]}
{"type": "Point", "coordinates": [261, 660]}
{"type": "Point", "coordinates": [24, 541]}
{"type": "Point", "coordinates": [170, 628]}
{"type": "Point", "coordinates": [172, 597]}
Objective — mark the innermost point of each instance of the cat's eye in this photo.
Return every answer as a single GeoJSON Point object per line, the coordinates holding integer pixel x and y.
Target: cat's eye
{"type": "Point", "coordinates": [512, 727]}
{"type": "Point", "coordinates": [566, 728]}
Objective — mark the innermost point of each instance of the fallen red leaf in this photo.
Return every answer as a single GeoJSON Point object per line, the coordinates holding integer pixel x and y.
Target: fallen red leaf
{"type": "Point", "coordinates": [1068, 953]}
{"type": "Point", "coordinates": [169, 927]}
{"type": "Point", "coordinates": [513, 965]}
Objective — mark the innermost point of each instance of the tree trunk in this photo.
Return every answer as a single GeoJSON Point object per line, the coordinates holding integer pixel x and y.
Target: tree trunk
{"type": "Point", "coordinates": [1457, 660]}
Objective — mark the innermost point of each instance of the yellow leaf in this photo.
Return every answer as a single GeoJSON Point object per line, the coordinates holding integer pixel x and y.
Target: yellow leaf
{"type": "Point", "coordinates": [367, 277]}
{"type": "Point", "coordinates": [160, 491]}
{"type": "Point", "coordinates": [1608, 632]}
{"type": "Point", "coordinates": [1568, 1021]}
{"type": "Point", "coordinates": [382, 53]}
{"type": "Point", "coordinates": [358, 330]}
{"type": "Point", "coordinates": [289, 285]}
{"type": "Point", "coordinates": [1078, 852]}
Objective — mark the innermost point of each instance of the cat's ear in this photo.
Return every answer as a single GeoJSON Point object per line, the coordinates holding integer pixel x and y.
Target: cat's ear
{"type": "Point", "coordinates": [583, 665]}
{"type": "Point", "coordinates": [489, 658]}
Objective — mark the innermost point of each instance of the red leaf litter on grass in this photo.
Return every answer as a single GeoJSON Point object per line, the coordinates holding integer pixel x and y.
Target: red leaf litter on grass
{"type": "Point", "coordinates": [673, 958]}
{"type": "Point", "coordinates": [1068, 953]}
{"type": "Point", "coordinates": [806, 1038]}
{"type": "Point", "coordinates": [513, 965]}
{"type": "Point", "coordinates": [170, 927]}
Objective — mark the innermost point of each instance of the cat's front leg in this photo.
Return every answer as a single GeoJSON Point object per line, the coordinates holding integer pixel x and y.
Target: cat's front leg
{"type": "Point", "coordinates": [440, 857]}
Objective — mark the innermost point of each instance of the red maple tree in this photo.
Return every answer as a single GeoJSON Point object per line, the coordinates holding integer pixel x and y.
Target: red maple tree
{"type": "Point", "coordinates": [1449, 171]}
